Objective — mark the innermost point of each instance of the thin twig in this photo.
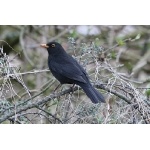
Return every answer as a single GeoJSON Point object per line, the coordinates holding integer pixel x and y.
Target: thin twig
{"type": "Point", "coordinates": [109, 49]}
{"type": "Point", "coordinates": [50, 114]}
{"type": "Point", "coordinates": [30, 72]}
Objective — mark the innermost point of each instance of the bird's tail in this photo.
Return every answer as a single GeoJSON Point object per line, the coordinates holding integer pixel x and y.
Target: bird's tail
{"type": "Point", "coordinates": [92, 93]}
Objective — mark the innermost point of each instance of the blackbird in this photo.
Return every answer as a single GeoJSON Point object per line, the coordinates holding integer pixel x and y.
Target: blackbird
{"type": "Point", "coordinates": [67, 70]}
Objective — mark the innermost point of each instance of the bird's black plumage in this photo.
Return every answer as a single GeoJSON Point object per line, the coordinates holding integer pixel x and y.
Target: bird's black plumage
{"type": "Point", "coordinates": [67, 70]}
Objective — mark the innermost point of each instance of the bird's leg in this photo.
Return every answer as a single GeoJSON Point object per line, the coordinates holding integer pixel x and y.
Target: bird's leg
{"type": "Point", "coordinates": [72, 88]}
{"type": "Point", "coordinates": [57, 87]}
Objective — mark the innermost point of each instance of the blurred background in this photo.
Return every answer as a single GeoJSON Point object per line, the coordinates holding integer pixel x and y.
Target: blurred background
{"type": "Point", "coordinates": [112, 56]}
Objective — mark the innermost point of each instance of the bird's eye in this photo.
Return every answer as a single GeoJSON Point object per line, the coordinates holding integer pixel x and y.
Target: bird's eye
{"type": "Point", "coordinates": [53, 45]}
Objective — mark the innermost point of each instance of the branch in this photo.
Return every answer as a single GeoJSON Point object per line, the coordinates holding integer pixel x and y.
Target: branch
{"type": "Point", "coordinates": [50, 114]}
{"type": "Point", "coordinates": [36, 104]}
{"type": "Point", "coordinates": [29, 72]}
{"type": "Point", "coordinates": [135, 105]}
{"type": "Point", "coordinates": [114, 92]}
{"type": "Point", "coordinates": [126, 40]}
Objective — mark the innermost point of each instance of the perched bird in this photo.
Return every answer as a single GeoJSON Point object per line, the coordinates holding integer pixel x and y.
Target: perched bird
{"type": "Point", "coordinates": [67, 70]}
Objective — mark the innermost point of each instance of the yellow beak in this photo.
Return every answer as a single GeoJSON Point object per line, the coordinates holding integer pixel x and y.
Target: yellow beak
{"type": "Point", "coordinates": [44, 45]}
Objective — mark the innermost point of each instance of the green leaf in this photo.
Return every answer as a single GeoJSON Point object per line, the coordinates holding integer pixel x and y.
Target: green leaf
{"type": "Point", "coordinates": [97, 42]}
{"type": "Point", "coordinates": [120, 42]}
{"type": "Point", "coordinates": [138, 37]}
{"type": "Point", "coordinates": [74, 34]}
{"type": "Point", "coordinates": [148, 93]}
{"type": "Point", "coordinates": [129, 65]}
{"type": "Point", "coordinates": [113, 55]}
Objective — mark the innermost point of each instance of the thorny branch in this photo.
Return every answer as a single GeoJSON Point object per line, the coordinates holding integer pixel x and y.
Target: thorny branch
{"type": "Point", "coordinates": [37, 104]}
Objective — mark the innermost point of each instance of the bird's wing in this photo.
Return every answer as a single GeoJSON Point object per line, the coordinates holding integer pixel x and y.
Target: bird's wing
{"type": "Point", "coordinates": [70, 68]}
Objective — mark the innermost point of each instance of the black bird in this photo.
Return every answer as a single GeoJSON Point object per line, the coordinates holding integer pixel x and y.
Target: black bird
{"type": "Point", "coordinates": [67, 70]}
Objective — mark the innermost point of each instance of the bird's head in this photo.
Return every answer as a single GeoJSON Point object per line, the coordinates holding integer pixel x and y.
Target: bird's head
{"type": "Point", "coordinates": [53, 48]}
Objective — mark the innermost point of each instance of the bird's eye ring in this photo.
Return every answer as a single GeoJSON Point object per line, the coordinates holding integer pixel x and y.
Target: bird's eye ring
{"type": "Point", "coordinates": [53, 45]}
